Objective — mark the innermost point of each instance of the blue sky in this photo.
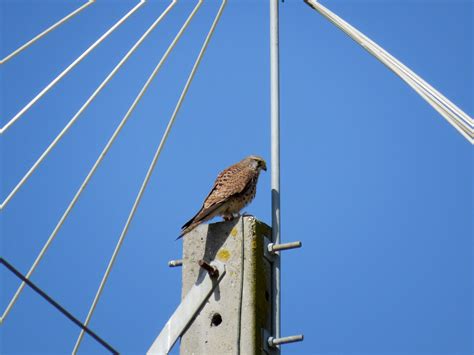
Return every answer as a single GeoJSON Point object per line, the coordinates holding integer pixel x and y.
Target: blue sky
{"type": "Point", "coordinates": [377, 185]}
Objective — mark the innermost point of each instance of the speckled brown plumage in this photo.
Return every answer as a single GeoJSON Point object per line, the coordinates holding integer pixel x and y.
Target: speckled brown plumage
{"type": "Point", "coordinates": [234, 188]}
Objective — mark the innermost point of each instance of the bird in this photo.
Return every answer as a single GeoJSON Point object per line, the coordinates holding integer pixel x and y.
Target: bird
{"type": "Point", "coordinates": [234, 188]}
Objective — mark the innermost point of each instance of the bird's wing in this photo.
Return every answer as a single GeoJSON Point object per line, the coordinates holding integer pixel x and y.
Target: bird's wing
{"type": "Point", "coordinates": [229, 182]}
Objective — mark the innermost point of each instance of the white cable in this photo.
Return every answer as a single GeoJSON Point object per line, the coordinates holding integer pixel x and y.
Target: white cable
{"type": "Point", "coordinates": [45, 32]}
{"type": "Point", "coordinates": [151, 167]}
{"type": "Point", "coordinates": [432, 96]}
{"type": "Point", "coordinates": [462, 122]}
{"type": "Point", "coordinates": [362, 39]}
{"type": "Point", "coordinates": [453, 114]}
{"type": "Point", "coordinates": [70, 67]}
{"type": "Point", "coordinates": [409, 77]}
{"type": "Point", "coordinates": [84, 107]}
{"type": "Point", "coordinates": [89, 176]}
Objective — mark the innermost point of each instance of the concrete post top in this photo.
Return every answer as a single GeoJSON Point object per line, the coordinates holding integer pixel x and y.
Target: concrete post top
{"type": "Point", "coordinates": [239, 309]}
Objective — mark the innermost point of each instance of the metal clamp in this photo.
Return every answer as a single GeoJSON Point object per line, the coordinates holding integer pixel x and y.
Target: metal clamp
{"type": "Point", "coordinates": [274, 342]}
{"type": "Point", "coordinates": [270, 250]}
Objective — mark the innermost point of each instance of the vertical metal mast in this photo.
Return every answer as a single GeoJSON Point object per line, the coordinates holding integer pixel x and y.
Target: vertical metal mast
{"type": "Point", "coordinates": [275, 154]}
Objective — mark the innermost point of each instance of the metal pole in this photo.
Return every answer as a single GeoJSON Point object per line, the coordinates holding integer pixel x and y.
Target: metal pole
{"type": "Point", "coordinates": [275, 155]}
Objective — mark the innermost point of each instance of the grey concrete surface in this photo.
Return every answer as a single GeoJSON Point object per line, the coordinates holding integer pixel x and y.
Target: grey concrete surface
{"type": "Point", "coordinates": [239, 309]}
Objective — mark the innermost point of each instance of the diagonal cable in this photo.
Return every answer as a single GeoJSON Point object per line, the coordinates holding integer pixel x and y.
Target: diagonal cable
{"type": "Point", "coordinates": [433, 97]}
{"type": "Point", "coordinates": [56, 305]}
{"type": "Point", "coordinates": [84, 107]}
{"type": "Point", "coordinates": [70, 67]}
{"type": "Point", "coordinates": [436, 95]}
{"type": "Point", "coordinates": [463, 123]}
{"type": "Point", "coordinates": [447, 109]}
{"type": "Point", "coordinates": [45, 32]}
{"type": "Point", "coordinates": [150, 169]}
{"type": "Point", "coordinates": [453, 114]}
{"type": "Point", "coordinates": [91, 173]}
{"type": "Point", "coordinates": [399, 68]}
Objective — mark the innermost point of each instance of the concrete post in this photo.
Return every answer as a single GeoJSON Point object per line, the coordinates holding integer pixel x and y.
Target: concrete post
{"type": "Point", "coordinates": [237, 318]}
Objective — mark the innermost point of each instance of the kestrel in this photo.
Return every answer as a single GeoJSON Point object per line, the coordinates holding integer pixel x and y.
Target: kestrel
{"type": "Point", "coordinates": [234, 188]}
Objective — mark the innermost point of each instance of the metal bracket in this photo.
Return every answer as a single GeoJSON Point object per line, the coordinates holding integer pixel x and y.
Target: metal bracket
{"type": "Point", "coordinates": [274, 342]}
{"type": "Point", "coordinates": [266, 347]}
{"type": "Point", "coordinates": [186, 311]}
{"type": "Point", "coordinates": [175, 263]}
{"type": "Point", "coordinates": [271, 343]}
{"type": "Point", "coordinates": [211, 269]}
{"type": "Point", "coordinates": [271, 250]}
{"type": "Point", "coordinates": [269, 256]}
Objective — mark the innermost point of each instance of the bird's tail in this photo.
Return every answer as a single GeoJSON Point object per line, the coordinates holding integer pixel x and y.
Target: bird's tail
{"type": "Point", "coordinates": [188, 229]}
{"type": "Point", "coordinates": [190, 225]}
{"type": "Point", "coordinates": [203, 215]}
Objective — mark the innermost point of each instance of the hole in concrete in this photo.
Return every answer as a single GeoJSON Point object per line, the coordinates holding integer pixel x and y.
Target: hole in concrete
{"type": "Point", "coordinates": [216, 320]}
{"type": "Point", "coordinates": [267, 296]}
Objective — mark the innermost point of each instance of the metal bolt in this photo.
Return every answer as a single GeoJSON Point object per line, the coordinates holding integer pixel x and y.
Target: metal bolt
{"type": "Point", "coordinates": [175, 263]}
{"type": "Point", "coordinates": [273, 342]}
{"type": "Point", "coordinates": [273, 248]}
{"type": "Point", "coordinates": [212, 270]}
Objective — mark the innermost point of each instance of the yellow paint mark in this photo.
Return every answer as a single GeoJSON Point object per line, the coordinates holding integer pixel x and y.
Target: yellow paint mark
{"type": "Point", "coordinates": [233, 232]}
{"type": "Point", "coordinates": [223, 255]}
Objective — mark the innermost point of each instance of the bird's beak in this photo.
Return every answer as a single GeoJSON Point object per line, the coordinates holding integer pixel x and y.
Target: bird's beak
{"type": "Point", "coordinates": [264, 166]}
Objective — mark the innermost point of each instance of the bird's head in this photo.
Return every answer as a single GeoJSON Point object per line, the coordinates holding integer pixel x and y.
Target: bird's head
{"type": "Point", "coordinates": [257, 162]}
